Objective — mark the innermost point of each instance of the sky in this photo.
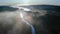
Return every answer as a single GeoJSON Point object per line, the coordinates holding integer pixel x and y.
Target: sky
{"type": "Point", "coordinates": [12, 2]}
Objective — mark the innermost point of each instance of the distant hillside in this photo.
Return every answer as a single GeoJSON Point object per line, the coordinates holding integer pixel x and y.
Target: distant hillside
{"type": "Point", "coordinates": [39, 7]}
{"type": "Point", "coordinates": [50, 9]}
{"type": "Point", "coordinates": [44, 7]}
{"type": "Point", "coordinates": [7, 8]}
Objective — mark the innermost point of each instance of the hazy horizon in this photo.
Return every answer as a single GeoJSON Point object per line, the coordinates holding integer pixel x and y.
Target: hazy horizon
{"type": "Point", "coordinates": [29, 2]}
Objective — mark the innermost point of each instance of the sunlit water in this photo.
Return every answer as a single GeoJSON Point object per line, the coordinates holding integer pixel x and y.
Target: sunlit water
{"type": "Point", "coordinates": [25, 21]}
